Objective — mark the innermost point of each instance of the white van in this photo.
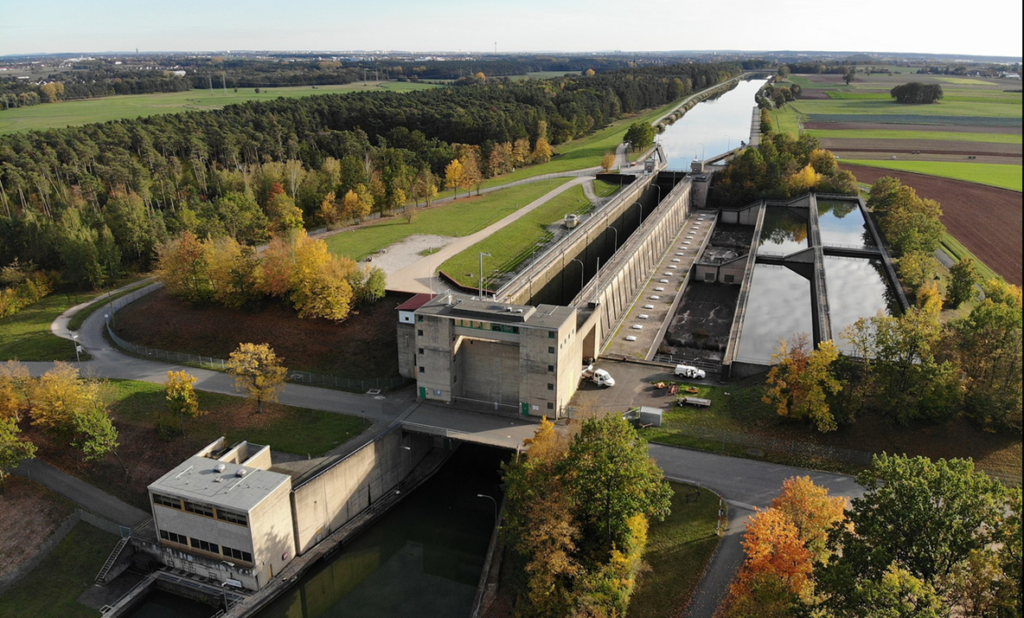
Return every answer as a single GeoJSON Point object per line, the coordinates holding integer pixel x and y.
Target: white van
{"type": "Point", "coordinates": [688, 371]}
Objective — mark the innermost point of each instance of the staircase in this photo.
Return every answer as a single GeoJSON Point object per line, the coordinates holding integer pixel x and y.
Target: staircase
{"type": "Point", "coordinates": [101, 578]}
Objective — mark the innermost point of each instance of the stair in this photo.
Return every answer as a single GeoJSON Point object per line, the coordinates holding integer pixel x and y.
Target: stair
{"type": "Point", "coordinates": [101, 578]}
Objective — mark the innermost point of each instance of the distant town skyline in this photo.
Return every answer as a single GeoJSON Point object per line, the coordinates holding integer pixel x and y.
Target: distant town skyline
{"type": "Point", "coordinates": [989, 28]}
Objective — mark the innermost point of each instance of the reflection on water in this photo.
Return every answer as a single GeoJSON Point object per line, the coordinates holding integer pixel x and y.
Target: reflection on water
{"type": "Point", "coordinates": [424, 558]}
{"type": "Point", "coordinates": [857, 289]}
{"type": "Point", "coordinates": [842, 225]}
{"type": "Point", "coordinates": [711, 127]}
{"type": "Point", "coordinates": [784, 231]}
{"type": "Point", "coordinates": [778, 307]}
{"type": "Point", "coordinates": [160, 604]}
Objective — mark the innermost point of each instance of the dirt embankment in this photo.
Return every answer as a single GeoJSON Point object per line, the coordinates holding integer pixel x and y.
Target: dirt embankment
{"type": "Point", "coordinates": [987, 220]}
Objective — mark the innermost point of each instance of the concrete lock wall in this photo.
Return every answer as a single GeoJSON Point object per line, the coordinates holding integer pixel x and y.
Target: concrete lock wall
{"type": "Point", "coordinates": [627, 273]}
{"type": "Point", "coordinates": [272, 533]}
{"type": "Point", "coordinates": [327, 501]}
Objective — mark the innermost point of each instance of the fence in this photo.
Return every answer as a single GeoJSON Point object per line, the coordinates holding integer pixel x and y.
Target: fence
{"type": "Point", "coordinates": [220, 364]}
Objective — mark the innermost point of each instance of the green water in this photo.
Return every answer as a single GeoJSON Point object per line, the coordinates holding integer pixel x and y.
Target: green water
{"type": "Point", "coordinates": [424, 558]}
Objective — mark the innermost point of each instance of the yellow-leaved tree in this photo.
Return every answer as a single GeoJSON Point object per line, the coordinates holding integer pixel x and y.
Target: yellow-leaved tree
{"type": "Point", "coordinates": [608, 161]}
{"type": "Point", "coordinates": [258, 372]}
{"type": "Point", "coordinates": [319, 280]}
{"type": "Point", "coordinates": [58, 395]}
{"type": "Point", "coordinates": [453, 174]}
{"type": "Point", "coordinates": [181, 397]}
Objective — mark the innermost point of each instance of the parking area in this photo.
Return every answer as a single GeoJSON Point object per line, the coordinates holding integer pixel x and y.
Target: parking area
{"type": "Point", "coordinates": [632, 388]}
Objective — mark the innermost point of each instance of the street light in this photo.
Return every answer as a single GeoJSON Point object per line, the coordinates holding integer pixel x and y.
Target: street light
{"type": "Point", "coordinates": [701, 151]}
{"type": "Point", "coordinates": [480, 283]}
{"type": "Point", "coordinates": [78, 348]}
{"type": "Point", "coordinates": [615, 245]}
{"type": "Point", "coordinates": [495, 506]}
{"type": "Point", "coordinates": [582, 271]}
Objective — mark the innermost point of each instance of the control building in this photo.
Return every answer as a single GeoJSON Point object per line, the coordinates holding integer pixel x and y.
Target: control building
{"type": "Point", "coordinates": [511, 356]}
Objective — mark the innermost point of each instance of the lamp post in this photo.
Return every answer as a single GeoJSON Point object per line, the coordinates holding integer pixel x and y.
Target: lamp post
{"type": "Point", "coordinates": [582, 271]}
{"type": "Point", "coordinates": [480, 282]}
{"type": "Point", "coordinates": [78, 348]}
{"type": "Point", "coordinates": [495, 506]}
{"type": "Point", "coordinates": [701, 151]}
{"type": "Point", "coordinates": [615, 245]}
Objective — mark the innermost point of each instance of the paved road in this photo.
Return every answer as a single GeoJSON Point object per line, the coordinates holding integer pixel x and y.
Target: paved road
{"type": "Point", "coordinates": [81, 493]}
{"type": "Point", "coordinates": [418, 277]}
{"type": "Point", "coordinates": [744, 484]}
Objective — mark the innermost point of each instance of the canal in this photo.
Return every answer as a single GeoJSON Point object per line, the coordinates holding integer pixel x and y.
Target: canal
{"type": "Point", "coordinates": [424, 558]}
{"type": "Point", "coordinates": [712, 127]}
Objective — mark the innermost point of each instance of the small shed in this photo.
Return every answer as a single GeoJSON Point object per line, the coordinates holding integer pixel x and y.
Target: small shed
{"type": "Point", "coordinates": [644, 416]}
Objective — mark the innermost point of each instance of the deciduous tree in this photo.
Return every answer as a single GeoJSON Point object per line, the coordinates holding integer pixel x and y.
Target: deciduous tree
{"type": "Point", "coordinates": [13, 449]}
{"type": "Point", "coordinates": [453, 174]}
{"type": "Point", "coordinates": [963, 276]}
{"type": "Point", "coordinates": [59, 395]}
{"type": "Point", "coordinates": [801, 383]}
{"type": "Point", "coordinates": [181, 397]}
{"type": "Point", "coordinates": [258, 372]}
{"type": "Point", "coordinates": [608, 161]}
{"type": "Point", "coordinates": [812, 511]}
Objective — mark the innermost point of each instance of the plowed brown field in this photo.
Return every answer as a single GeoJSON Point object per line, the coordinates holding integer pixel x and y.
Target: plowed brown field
{"type": "Point", "coordinates": [987, 220]}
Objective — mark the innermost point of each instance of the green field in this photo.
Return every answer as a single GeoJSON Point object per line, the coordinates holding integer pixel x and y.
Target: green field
{"type": "Point", "coordinates": [877, 107]}
{"type": "Point", "coordinates": [73, 113]}
{"type": "Point", "coordinates": [26, 335]}
{"type": "Point", "coordinates": [294, 430]}
{"type": "Point", "coordinates": [678, 551]}
{"type": "Point", "coordinates": [459, 218]}
{"type": "Point", "coordinates": [946, 136]}
{"type": "Point", "coordinates": [51, 589]}
{"type": "Point", "coordinates": [786, 120]}
{"type": "Point", "coordinates": [994, 174]}
{"type": "Point", "coordinates": [515, 242]}
{"type": "Point", "coordinates": [1004, 98]}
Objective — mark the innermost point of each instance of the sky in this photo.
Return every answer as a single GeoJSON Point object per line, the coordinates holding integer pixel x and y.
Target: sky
{"type": "Point", "coordinates": [982, 27]}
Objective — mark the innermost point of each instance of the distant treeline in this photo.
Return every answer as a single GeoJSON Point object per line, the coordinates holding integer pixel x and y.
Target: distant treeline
{"type": "Point", "coordinates": [106, 194]}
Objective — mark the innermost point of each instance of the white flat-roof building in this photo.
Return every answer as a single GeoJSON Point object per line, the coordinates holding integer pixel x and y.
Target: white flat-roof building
{"type": "Point", "coordinates": [223, 514]}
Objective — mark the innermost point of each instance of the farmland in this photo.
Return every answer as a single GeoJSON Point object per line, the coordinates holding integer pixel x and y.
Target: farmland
{"type": "Point", "coordinates": [74, 113]}
{"type": "Point", "coordinates": [964, 151]}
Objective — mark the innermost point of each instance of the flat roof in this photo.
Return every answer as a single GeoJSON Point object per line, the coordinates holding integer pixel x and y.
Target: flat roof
{"type": "Point", "coordinates": [197, 478]}
{"type": "Point", "coordinates": [541, 316]}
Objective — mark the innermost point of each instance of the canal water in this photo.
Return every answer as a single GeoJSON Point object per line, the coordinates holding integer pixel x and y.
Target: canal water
{"type": "Point", "coordinates": [784, 231]}
{"type": "Point", "coordinates": [857, 288]}
{"type": "Point", "coordinates": [842, 225]}
{"type": "Point", "coordinates": [424, 558]}
{"type": "Point", "coordinates": [779, 306]}
{"type": "Point", "coordinates": [712, 127]}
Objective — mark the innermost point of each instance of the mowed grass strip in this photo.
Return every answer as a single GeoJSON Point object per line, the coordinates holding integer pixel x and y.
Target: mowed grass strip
{"type": "Point", "coordinates": [947, 136]}
{"type": "Point", "coordinates": [515, 242]}
{"type": "Point", "coordinates": [51, 589]}
{"type": "Point", "coordinates": [889, 106]}
{"type": "Point", "coordinates": [678, 551]}
{"type": "Point", "coordinates": [74, 113]}
{"type": "Point", "coordinates": [992, 174]}
{"type": "Point", "coordinates": [285, 428]}
{"type": "Point", "coordinates": [462, 217]}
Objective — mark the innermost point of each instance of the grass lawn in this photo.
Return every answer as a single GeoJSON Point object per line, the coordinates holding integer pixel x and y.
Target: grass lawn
{"type": "Point", "coordinates": [515, 242]}
{"type": "Point", "coordinates": [50, 590]}
{"type": "Point", "coordinates": [73, 113]}
{"type": "Point", "coordinates": [678, 551]}
{"type": "Point", "coordinates": [459, 218]}
{"type": "Point", "coordinates": [993, 174]}
{"type": "Point", "coordinates": [604, 188]}
{"type": "Point", "coordinates": [956, 250]}
{"type": "Point", "coordinates": [946, 136]}
{"type": "Point", "coordinates": [284, 428]}
{"type": "Point", "coordinates": [26, 335]}
{"type": "Point", "coordinates": [786, 120]}
{"type": "Point", "coordinates": [873, 107]}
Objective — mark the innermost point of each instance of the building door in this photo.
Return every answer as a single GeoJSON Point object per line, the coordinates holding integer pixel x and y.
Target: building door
{"type": "Point", "coordinates": [525, 409]}
{"type": "Point", "coordinates": [423, 392]}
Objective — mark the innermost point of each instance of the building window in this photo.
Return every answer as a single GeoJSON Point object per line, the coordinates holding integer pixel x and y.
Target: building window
{"type": "Point", "coordinates": [730, 278]}
{"type": "Point", "coordinates": [551, 368]}
{"type": "Point", "coordinates": [421, 351]}
{"type": "Point", "coordinates": [180, 539]}
{"type": "Point", "coordinates": [551, 335]}
{"type": "Point", "coordinates": [198, 509]}
{"type": "Point", "coordinates": [551, 406]}
{"type": "Point", "coordinates": [244, 556]}
{"type": "Point", "coordinates": [419, 318]}
{"type": "Point", "coordinates": [551, 350]}
{"type": "Point", "coordinates": [422, 370]}
{"type": "Point", "coordinates": [551, 387]}
{"type": "Point", "coordinates": [233, 518]}
{"type": "Point", "coordinates": [419, 333]}
{"type": "Point", "coordinates": [213, 548]}
{"type": "Point", "coordinates": [167, 501]}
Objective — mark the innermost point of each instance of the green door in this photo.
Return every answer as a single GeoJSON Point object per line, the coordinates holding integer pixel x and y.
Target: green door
{"type": "Point", "coordinates": [423, 392]}
{"type": "Point", "coordinates": [526, 409]}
